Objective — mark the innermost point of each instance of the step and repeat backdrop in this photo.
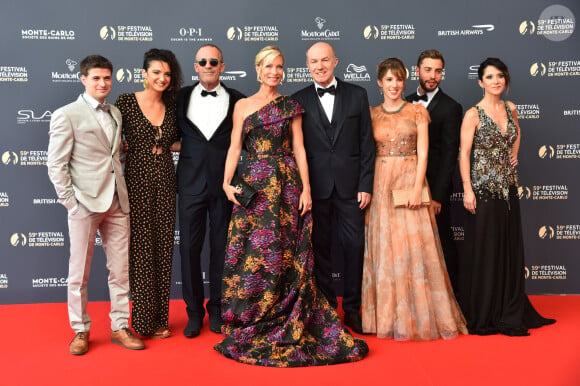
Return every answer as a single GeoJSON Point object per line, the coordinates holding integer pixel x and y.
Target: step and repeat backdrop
{"type": "Point", "coordinates": [42, 44]}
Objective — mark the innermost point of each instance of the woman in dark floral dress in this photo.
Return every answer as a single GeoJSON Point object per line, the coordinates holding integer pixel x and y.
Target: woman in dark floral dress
{"type": "Point", "coordinates": [150, 129]}
{"type": "Point", "coordinates": [491, 274]}
{"type": "Point", "coordinates": [273, 314]}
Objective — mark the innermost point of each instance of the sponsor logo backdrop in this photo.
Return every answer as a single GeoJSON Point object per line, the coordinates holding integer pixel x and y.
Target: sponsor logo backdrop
{"type": "Point", "coordinates": [43, 42]}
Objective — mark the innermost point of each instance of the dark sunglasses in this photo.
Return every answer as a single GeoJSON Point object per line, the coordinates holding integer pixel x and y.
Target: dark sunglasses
{"type": "Point", "coordinates": [212, 62]}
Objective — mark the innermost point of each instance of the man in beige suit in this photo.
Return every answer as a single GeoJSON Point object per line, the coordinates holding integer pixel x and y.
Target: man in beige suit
{"type": "Point", "coordinates": [85, 169]}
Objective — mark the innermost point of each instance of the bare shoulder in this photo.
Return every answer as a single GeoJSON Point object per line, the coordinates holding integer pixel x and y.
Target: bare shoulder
{"type": "Point", "coordinates": [472, 113]}
{"type": "Point", "coordinates": [511, 105]}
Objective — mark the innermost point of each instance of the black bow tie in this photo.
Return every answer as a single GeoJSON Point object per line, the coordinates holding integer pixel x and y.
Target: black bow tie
{"type": "Point", "coordinates": [321, 91]}
{"type": "Point", "coordinates": [205, 93]}
{"type": "Point", "coordinates": [417, 98]}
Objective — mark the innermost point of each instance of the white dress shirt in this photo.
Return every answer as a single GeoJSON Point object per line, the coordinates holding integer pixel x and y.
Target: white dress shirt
{"type": "Point", "coordinates": [104, 117]}
{"type": "Point", "coordinates": [430, 96]}
{"type": "Point", "coordinates": [208, 112]}
{"type": "Point", "coordinates": [327, 100]}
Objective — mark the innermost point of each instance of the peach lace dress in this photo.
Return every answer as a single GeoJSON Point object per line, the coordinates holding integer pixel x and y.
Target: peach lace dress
{"type": "Point", "coordinates": [406, 292]}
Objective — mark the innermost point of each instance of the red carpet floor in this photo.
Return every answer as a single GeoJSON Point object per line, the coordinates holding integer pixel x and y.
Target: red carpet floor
{"type": "Point", "coordinates": [34, 351]}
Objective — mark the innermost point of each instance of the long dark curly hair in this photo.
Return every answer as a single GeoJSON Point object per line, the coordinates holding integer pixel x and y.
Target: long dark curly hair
{"type": "Point", "coordinates": [170, 94]}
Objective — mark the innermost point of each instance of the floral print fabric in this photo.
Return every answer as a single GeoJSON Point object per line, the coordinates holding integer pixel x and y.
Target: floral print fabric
{"type": "Point", "coordinates": [273, 314]}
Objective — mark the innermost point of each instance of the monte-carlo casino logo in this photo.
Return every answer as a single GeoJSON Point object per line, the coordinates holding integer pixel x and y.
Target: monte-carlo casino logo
{"type": "Point", "coordinates": [546, 151]}
{"type": "Point", "coordinates": [538, 68]}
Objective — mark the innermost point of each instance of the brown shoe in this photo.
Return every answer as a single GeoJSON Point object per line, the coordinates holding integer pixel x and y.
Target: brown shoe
{"type": "Point", "coordinates": [80, 344]}
{"type": "Point", "coordinates": [127, 339]}
{"type": "Point", "coordinates": [161, 333]}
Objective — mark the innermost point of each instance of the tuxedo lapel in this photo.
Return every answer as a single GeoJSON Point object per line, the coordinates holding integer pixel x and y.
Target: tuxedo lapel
{"type": "Point", "coordinates": [434, 102]}
{"type": "Point", "coordinates": [317, 111]}
{"type": "Point", "coordinates": [338, 115]}
{"type": "Point", "coordinates": [229, 113]}
{"type": "Point", "coordinates": [116, 137]}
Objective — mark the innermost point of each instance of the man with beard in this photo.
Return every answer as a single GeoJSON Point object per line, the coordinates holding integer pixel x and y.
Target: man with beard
{"type": "Point", "coordinates": [444, 128]}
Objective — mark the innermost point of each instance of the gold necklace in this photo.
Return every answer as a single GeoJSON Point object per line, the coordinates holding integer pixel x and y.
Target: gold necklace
{"type": "Point", "coordinates": [394, 111]}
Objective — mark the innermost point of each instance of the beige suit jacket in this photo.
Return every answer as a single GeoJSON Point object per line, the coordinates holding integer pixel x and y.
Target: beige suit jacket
{"type": "Point", "coordinates": [83, 165]}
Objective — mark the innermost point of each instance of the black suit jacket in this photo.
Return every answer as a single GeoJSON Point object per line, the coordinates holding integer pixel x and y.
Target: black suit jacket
{"type": "Point", "coordinates": [446, 115]}
{"type": "Point", "coordinates": [347, 162]}
{"type": "Point", "coordinates": [202, 161]}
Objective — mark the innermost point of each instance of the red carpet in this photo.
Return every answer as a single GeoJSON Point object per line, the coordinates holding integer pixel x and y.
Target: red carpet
{"type": "Point", "coordinates": [34, 351]}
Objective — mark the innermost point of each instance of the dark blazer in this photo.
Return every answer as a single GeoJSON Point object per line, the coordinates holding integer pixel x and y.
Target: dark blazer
{"type": "Point", "coordinates": [347, 161]}
{"type": "Point", "coordinates": [202, 161]}
{"type": "Point", "coordinates": [446, 115]}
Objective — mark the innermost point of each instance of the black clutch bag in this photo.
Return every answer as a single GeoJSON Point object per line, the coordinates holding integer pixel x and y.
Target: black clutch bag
{"type": "Point", "coordinates": [248, 193]}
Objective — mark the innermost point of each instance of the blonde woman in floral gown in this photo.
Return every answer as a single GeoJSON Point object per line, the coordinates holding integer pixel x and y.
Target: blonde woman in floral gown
{"type": "Point", "coordinates": [273, 314]}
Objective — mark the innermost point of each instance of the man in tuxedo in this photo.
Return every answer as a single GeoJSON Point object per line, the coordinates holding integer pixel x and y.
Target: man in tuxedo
{"type": "Point", "coordinates": [204, 116]}
{"type": "Point", "coordinates": [341, 153]}
{"type": "Point", "coordinates": [85, 169]}
{"type": "Point", "coordinates": [446, 116]}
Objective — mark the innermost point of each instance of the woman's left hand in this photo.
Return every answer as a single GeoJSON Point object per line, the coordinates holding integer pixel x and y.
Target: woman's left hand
{"type": "Point", "coordinates": [414, 199]}
{"type": "Point", "coordinates": [305, 204]}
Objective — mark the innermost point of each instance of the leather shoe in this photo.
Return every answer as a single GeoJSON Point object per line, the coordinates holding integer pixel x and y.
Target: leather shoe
{"type": "Point", "coordinates": [354, 321]}
{"type": "Point", "coordinates": [127, 339]}
{"type": "Point", "coordinates": [161, 333]}
{"type": "Point", "coordinates": [193, 327]}
{"type": "Point", "coordinates": [215, 323]}
{"type": "Point", "coordinates": [80, 343]}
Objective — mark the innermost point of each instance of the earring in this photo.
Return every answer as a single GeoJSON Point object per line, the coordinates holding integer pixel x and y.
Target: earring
{"type": "Point", "coordinates": [145, 84]}
{"type": "Point", "coordinates": [380, 91]}
{"type": "Point", "coordinates": [283, 77]}
{"type": "Point", "coordinates": [258, 78]}
{"type": "Point", "coordinates": [483, 90]}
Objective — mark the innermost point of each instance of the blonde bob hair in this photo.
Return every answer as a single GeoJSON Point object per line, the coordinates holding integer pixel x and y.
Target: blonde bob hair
{"type": "Point", "coordinates": [266, 55]}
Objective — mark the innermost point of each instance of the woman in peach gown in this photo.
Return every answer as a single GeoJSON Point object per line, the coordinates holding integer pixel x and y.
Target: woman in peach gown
{"type": "Point", "coordinates": [406, 290]}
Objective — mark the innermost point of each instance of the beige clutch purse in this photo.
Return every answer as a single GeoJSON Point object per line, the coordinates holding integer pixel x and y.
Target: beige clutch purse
{"type": "Point", "coordinates": [401, 197]}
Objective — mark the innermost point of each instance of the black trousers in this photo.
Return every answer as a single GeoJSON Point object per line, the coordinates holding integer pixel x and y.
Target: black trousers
{"type": "Point", "coordinates": [349, 228]}
{"type": "Point", "coordinates": [195, 213]}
